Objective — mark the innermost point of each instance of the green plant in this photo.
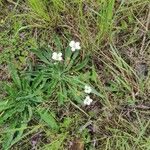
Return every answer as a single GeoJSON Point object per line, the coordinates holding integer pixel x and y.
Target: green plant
{"type": "Point", "coordinates": [62, 80]}
{"type": "Point", "coordinates": [22, 94]}
{"type": "Point", "coordinates": [18, 106]}
{"type": "Point", "coordinates": [65, 79]}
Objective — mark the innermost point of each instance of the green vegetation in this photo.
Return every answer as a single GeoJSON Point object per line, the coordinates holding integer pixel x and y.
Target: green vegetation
{"type": "Point", "coordinates": [42, 97]}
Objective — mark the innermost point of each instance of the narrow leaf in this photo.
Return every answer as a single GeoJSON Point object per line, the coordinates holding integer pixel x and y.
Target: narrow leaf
{"type": "Point", "coordinates": [48, 118]}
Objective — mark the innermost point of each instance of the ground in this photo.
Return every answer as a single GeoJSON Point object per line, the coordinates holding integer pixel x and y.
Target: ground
{"type": "Point", "coordinates": [114, 60]}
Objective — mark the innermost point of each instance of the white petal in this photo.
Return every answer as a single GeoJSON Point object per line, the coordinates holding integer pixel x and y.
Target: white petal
{"type": "Point", "coordinates": [59, 58]}
{"type": "Point", "coordinates": [87, 89]}
{"type": "Point", "coordinates": [72, 43]}
{"type": "Point", "coordinates": [54, 55]}
{"type": "Point", "coordinates": [91, 100]}
{"type": "Point", "coordinates": [87, 97]}
{"type": "Point", "coordinates": [73, 49]}
{"type": "Point", "coordinates": [59, 54]}
{"type": "Point", "coordinates": [77, 45]}
{"type": "Point", "coordinates": [87, 100]}
{"type": "Point", "coordinates": [86, 86]}
{"type": "Point", "coordinates": [88, 103]}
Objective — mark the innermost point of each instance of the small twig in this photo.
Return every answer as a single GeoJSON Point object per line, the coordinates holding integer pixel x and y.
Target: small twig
{"type": "Point", "coordinates": [10, 1]}
{"type": "Point", "coordinates": [146, 30]}
{"type": "Point", "coordinates": [143, 107]}
{"type": "Point", "coordinates": [85, 126]}
{"type": "Point", "coordinates": [79, 108]}
{"type": "Point", "coordinates": [147, 46]}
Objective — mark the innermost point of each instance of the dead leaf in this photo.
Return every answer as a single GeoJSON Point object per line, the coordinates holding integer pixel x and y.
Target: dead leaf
{"type": "Point", "coordinates": [77, 144]}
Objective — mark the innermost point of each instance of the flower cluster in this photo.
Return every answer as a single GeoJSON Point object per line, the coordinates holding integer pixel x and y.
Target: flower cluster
{"type": "Point", "coordinates": [73, 45]}
{"type": "Point", "coordinates": [57, 56]}
{"type": "Point", "coordinates": [87, 90]}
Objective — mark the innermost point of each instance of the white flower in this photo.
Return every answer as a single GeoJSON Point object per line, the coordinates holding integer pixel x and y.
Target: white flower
{"type": "Point", "coordinates": [74, 45]}
{"type": "Point", "coordinates": [57, 56]}
{"type": "Point", "coordinates": [87, 100]}
{"type": "Point", "coordinates": [87, 89]}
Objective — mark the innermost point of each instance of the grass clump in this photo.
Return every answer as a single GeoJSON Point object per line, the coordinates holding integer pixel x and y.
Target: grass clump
{"type": "Point", "coordinates": [62, 80]}
{"type": "Point", "coordinates": [65, 79]}
{"type": "Point", "coordinates": [18, 106]}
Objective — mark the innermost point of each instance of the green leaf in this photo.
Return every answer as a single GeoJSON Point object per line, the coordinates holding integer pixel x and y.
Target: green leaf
{"type": "Point", "coordinates": [56, 145]}
{"type": "Point", "coordinates": [19, 135]}
{"type": "Point", "coordinates": [8, 137]}
{"type": "Point", "coordinates": [47, 53]}
{"type": "Point", "coordinates": [25, 84]}
{"type": "Point", "coordinates": [38, 79]}
{"type": "Point", "coordinates": [48, 118]}
{"type": "Point", "coordinates": [62, 94]}
{"type": "Point", "coordinates": [30, 113]}
{"type": "Point", "coordinates": [14, 74]}
{"type": "Point", "coordinates": [7, 114]}
{"type": "Point", "coordinates": [40, 55]}
{"type": "Point", "coordinates": [3, 105]}
{"type": "Point", "coordinates": [68, 54]}
{"type": "Point", "coordinates": [51, 86]}
{"type": "Point", "coordinates": [58, 43]}
{"type": "Point", "coordinates": [81, 65]}
{"type": "Point", "coordinates": [94, 76]}
{"type": "Point", "coordinates": [25, 97]}
{"type": "Point", "coordinates": [71, 61]}
{"type": "Point", "coordinates": [8, 140]}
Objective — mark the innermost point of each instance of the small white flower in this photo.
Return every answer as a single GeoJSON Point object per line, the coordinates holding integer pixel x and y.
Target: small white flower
{"type": "Point", "coordinates": [57, 56]}
{"type": "Point", "coordinates": [87, 89]}
{"type": "Point", "coordinates": [74, 45]}
{"type": "Point", "coordinates": [87, 100]}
